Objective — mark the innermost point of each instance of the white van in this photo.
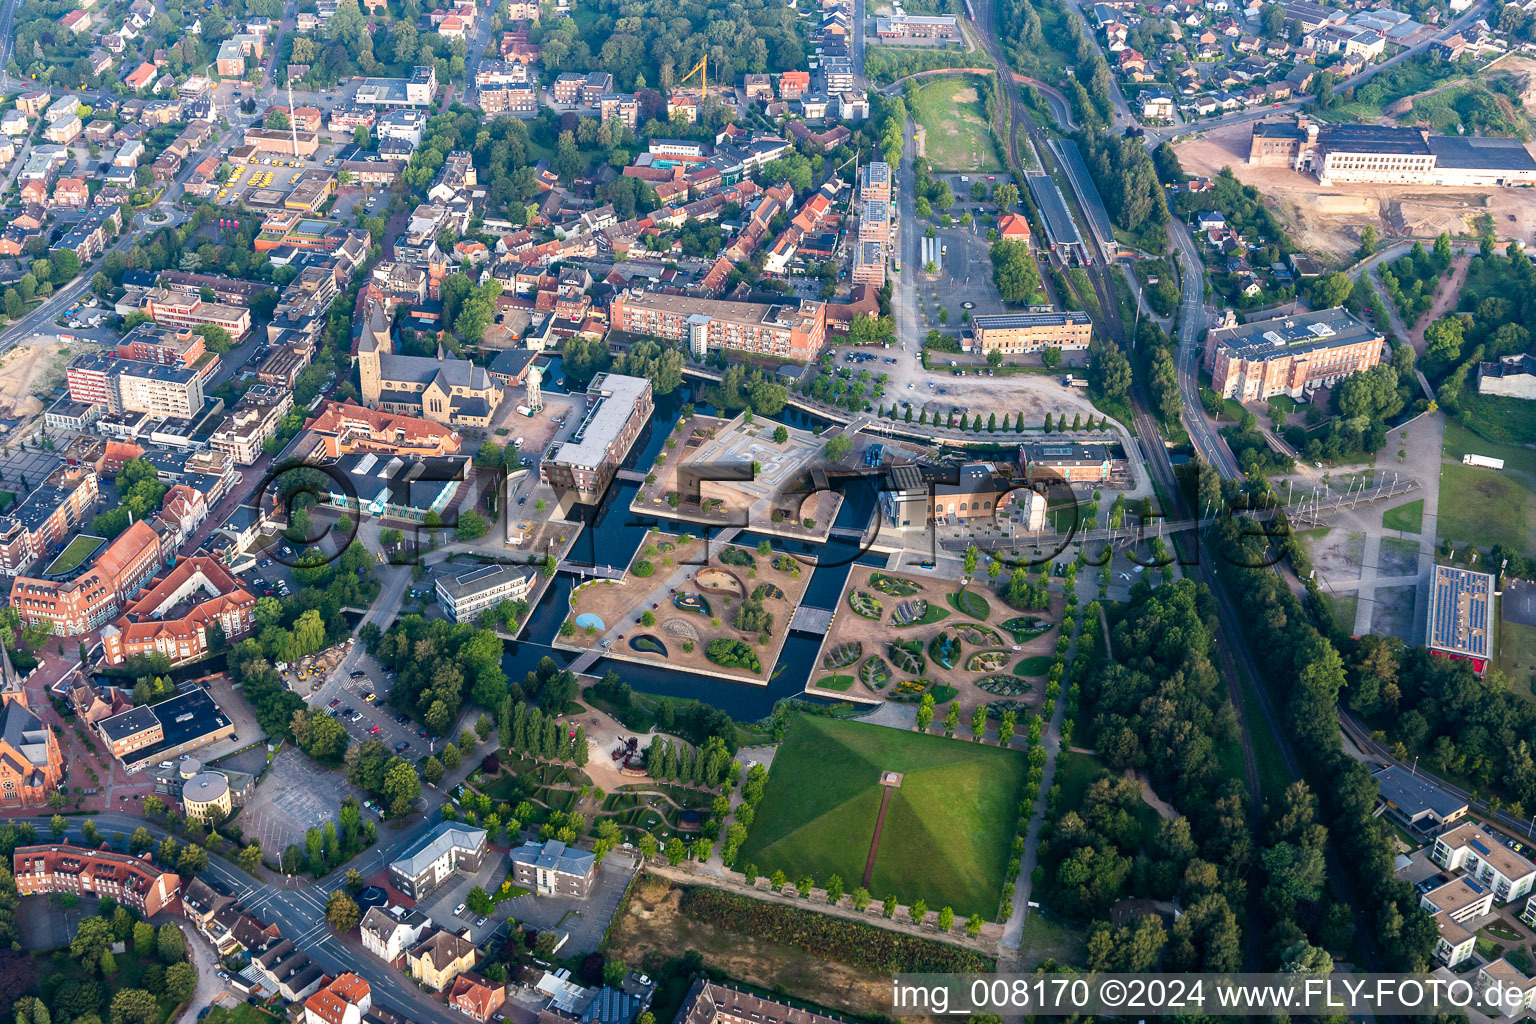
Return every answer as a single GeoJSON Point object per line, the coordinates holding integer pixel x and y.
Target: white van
{"type": "Point", "coordinates": [517, 443]}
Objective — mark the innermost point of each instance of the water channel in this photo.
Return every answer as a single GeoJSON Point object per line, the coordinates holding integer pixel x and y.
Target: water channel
{"type": "Point", "coordinates": [611, 534]}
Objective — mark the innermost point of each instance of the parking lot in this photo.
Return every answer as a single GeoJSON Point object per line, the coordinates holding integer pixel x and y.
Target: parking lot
{"type": "Point", "coordinates": [296, 795]}
{"type": "Point", "coordinates": [256, 177]}
{"type": "Point", "coordinates": [585, 920]}
{"type": "Point", "coordinates": [340, 692]}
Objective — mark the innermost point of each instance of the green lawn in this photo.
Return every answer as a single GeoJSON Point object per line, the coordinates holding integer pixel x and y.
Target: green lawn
{"type": "Point", "coordinates": [244, 1013]}
{"type": "Point", "coordinates": [947, 829]}
{"type": "Point", "coordinates": [1342, 607]}
{"type": "Point", "coordinates": [1498, 418]}
{"type": "Point", "coordinates": [1034, 665]}
{"type": "Point", "coordinates": [1408, 518]}
{"type": "Point", "coordinates": [834, 682]}
{"type": "Point", "coordinates": [968, 602]}
{"type": "Point", "coordinates": [1483, 507]}
{"type": "Point", "coordinates": [1517, 656]}
{"type": "Point", "coordinates": [78, 551]}
{"type": "Point", "coordinates": [957, 136]}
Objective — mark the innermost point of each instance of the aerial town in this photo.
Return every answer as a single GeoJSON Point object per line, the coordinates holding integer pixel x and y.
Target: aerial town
{"type": "Point", "coordinates": [652, 514]}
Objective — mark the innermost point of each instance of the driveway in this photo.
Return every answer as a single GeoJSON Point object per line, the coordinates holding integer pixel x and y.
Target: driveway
{"type": "Point", "coordinates": [209, 985]}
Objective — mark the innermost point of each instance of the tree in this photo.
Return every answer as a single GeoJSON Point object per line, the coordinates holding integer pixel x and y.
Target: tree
{"type": "Point", "coordinates": [135, 1006]}
{"type": "Point", "coordinates": [478, 901]}
{"type": "Point", "coordinates": [171, 944]}
{"type": "Point", "coordinates": [946, 919]}
{"type": "Point", "coordinates": [917, 911]}
{"type": "Point", "coordinates": [838, 448]}
{"type": "Point", "coordinates": [780, 435]}
{"type": "Point", "coordinates": [834, 889]}
{"type": "Point", "coordinates": [342, 911]}
{"type": "Point", "coordinates": [1014, 271]}
{"type": "Point", "coordinates": [180, 982]}
{"type": "Point", "coordinates": [1367, 241]}
{"type": "Point", "coordinates": [472, 525]}
{"type": "Point", "coordinates": [1109, 372]}
{"type": "Point", "coordinates": [249, 858]}
{"type": "Point", "coordinates": [58, 825]}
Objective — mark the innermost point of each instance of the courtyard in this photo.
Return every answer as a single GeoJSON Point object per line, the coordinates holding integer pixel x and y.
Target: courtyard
{"type": "Point", "coordinates": [771, 492]}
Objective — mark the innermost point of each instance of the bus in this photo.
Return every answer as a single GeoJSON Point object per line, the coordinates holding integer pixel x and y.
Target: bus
{"type": "Point", "coordinates": [896, 261]}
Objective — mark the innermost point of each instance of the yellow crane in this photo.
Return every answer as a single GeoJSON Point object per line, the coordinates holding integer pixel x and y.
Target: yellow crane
{"type": "Point", "coordinates": [702, 70]}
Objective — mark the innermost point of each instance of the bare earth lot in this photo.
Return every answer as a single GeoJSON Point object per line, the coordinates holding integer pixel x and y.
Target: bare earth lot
{"type": "Point", "coordinates": [1328, 220]}
{"type": "Point", "coordinates": [31, 367]}
{"type": "Point", "coordinates": [651, 928]}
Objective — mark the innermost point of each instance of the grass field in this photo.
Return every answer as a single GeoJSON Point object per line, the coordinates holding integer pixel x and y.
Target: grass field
{"type": "Point", "coordinates": [957, 136]}
{"type": "Point", "coordinates": [1342, 607]}
{"type": "Point", "coordinates": [1408, 518]}
{"type": "Point", "coordinates": [947, 829]}
{"type": "Point", "coordinates": [78, 551]}
{"type": "Point", "coordinates": [1517, 656]}
{"type": "Point", "coordinates": [1483, 507]}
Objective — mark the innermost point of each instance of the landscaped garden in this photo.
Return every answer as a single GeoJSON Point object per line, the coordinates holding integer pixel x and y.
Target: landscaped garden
{"type": "Point", "coordinates": [944, 649]}
{"type": "Point", "coordinates": [958, 644]}
{"type": "Point", "coordinates": [907, 656]}
{"type": "Point", "coordinates": [843, 655]}
{"type": "Point", "coordinates": [874, 672]}
{"type": "Point", "coordinates": [866, 604]}
{"type": "Point", "coordinates": [986, 661]}
{"type": "Point", "coordinates": [892, 586]}
{"type": "Point", "coordinates": [700, 619]}
{"type": "Point", "coordinates": [948, 827]}
{"type": "Point", "coordinates": [970, 603]}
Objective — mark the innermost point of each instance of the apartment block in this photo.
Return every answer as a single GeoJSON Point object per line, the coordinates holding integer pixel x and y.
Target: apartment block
{"type": "Point", "coordinates": [1483, 856]}
{"type": "Point", "coordinates": [177, 307]}
{"type": "Point", "coordinates": [93, 598]}
{"type": "Point", "coordinates": [132, 881]}
{"type": "Point", "coordinates": [788, 330]}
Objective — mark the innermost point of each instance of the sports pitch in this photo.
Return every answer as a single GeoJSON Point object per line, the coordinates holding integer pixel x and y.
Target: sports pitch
{"type": "Point", "coordinates": [947, 829]}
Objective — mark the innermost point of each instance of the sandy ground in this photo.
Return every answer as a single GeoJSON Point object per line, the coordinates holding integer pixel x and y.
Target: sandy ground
{"type": "Point", "coordinates": [33, 367]}
{"type": "Point", "coordinates": [849, 626]}
{"type": "Point", "coordinates": [1328, 221]}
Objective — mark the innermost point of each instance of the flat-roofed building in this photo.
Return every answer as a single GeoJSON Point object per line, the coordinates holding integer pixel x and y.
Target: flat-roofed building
{"type": "Point", "coordinates": [1453, 907]}
{"type": "Point", "coordinates": [132, 881]}
{"type": "Point", "coordinates": [180, 307]}
{"type": "Point", "coordinates": [552, 868]}
{"type": "Point", "coordinates": [1383, 154]}
{"type": "Point", "coordinates": [618, 407]}
{"type": "Point", "coordinates": [45, 517]}
{"type": "Point", "coordinates": [1018, 333]}
{"type": "Point", "coordinates": [393, 487]}
{"type": "Point", "coordinates": [1416, 802]}
{"type": "Point", "coordinates": [1290, 355]}
{"type": "Point", "coordinates": [788, 330]}
{"type": "Point", "coordinates": [1481, 853]}
{"type": "Point", "coordinates": [284, 142]}
{"type": "Point", "coordinates": [1066, 460]}
{"type": "Point", "coordinates": [158, 732]}
{"type": "Point", "coordinates": [441, 851]}
{"type": "Point", "coordinates": [463, 597]}
{"type": "Point", "coordinates": [1461, 615]}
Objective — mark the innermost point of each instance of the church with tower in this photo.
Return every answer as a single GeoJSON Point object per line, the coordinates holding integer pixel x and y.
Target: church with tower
{"type": "Point", "coordinates": [443, 388]}
{"type": "Point", "coordinates": [31, 763]}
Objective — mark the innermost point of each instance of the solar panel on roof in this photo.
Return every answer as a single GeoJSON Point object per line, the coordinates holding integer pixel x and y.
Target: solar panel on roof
{"type": "Point", "coordinates": [1479, 847]}
{"type": "Point", "coordinates": [1473, 884]}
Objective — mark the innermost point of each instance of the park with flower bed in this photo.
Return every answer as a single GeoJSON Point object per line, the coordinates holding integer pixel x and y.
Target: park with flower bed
{"type": "Point", "coordinates": [722, 610]}
{"type": "Point", "coordinates": [902, 638]}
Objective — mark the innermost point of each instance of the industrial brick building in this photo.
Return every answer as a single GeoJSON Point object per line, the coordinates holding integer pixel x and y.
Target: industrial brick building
{"type": "Point", "coordinates": [1015, 333]}
{"type": "Point", "coordinates": [1341, 154]}
{"type": "Point", "coordinates": [1292, 355]}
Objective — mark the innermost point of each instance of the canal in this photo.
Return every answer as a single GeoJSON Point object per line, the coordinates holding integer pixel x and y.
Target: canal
{"type": "Point", "coordinates": [610, 535]}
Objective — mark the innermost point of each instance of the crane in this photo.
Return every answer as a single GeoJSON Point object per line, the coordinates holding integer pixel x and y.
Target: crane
{"type": "Point", "coordinates": [702, 70]}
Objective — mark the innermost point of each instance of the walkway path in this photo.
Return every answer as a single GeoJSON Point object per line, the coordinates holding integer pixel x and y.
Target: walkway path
{"type": "Point", "coordinates": [1013, 931]}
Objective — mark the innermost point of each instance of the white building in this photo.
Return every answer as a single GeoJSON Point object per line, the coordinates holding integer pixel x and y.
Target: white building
{"type": "Point", "coordinates": [387, 934]}
{"type": "Point", "coordinates": [1485, 858]}
{"type": "Point", "coordinates": [466, 596]}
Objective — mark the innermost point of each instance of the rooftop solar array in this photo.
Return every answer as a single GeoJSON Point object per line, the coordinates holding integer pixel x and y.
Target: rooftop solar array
{"type": "Point", "coordinates": [1459, 612]}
